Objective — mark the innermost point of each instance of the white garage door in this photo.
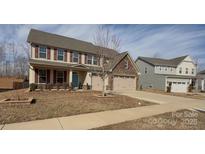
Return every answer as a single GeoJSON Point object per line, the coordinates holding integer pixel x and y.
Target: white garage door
{"type": "Point", "coordinates": [181, 87]}
{"type": "Point", "coordinates": [124, 83]}
{"type": "Point", "coordinates": [97, 83]}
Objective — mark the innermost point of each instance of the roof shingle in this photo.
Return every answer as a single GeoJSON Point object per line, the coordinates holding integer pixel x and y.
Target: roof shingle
{"type": "Point", "coordinates": [53, 40]}
{"type": "Point", "coordinates": [163, 62]}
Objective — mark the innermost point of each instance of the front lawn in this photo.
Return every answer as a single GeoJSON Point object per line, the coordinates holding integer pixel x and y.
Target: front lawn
{"type": "Point", "coordinates": [180, 120]}
{"type": "Point", "coordinates": [50, 104]}
{"type": "Point", "coordinates": [186, 95]}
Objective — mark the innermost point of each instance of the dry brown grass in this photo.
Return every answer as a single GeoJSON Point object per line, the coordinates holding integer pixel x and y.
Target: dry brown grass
{"type": "Point", "coordinates": [187, 95]}
{"type": "Point", "coordinates": [180, 120]}
{"type": "Point", "coordinates": [50, 104]}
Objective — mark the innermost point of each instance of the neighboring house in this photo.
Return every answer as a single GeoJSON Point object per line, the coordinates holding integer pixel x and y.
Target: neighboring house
{"type": "Point", "coordinates": [201, 80]}
{"type": "Point", "coordinates": [58, 59]}
{"type": "Point", "coordinates": [10, 83]}
{"type": "Point", "coordinates": [177, 73]}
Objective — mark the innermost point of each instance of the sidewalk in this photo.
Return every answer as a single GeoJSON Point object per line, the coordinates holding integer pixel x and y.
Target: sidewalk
{"type": "Point", "coordinates": [93, 120]}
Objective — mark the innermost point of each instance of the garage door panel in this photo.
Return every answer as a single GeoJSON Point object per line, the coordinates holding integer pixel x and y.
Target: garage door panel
{"type": "Point", "coordinates": [97, 83]}
{"type": "Point", "coordinates": [124, 83]}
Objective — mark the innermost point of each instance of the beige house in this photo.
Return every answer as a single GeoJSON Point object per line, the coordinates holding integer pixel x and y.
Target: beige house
{"type": "Point", "coordinates": [57, 59]}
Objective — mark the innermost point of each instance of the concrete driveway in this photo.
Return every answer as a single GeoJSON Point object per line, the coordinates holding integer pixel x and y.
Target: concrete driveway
{"type": "Point", "coordinates": [160, 98]}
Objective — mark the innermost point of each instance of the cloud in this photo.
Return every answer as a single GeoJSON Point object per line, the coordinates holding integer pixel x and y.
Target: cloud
{"type": "Point", "coordinates": [165, 41]}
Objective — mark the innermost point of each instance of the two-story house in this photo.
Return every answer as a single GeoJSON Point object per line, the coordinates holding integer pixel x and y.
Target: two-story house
{"type": "Point", "coordinates": [201, 81]}
{"type": "Point", "coordinates": [156, 73]}
{"type": "Point", "coordinates": [59, 59]}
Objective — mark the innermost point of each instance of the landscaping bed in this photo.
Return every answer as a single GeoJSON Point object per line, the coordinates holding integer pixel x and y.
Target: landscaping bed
{"type": "Point", "coordinates": [180, 120]}
{"type": "Point", "coordinates": [50, 104]}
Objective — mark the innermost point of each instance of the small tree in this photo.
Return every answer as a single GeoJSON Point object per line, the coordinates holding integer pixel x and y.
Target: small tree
{"type": "Point", "coordinates": [103, 39]}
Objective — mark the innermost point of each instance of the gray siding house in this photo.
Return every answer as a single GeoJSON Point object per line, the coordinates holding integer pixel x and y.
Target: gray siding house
{"type": "Point", "coordinates": [201, 81]}
{"type": "Point", "coordinates": [156, 73]}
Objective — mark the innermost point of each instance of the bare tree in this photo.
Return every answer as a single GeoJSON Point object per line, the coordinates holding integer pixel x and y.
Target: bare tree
{"type": "Point", "coordinates": [2, 58]}
{"type": "Point", "coordinates": [104, 39]}
{"type": "Point", "coordinates": [22, 67]}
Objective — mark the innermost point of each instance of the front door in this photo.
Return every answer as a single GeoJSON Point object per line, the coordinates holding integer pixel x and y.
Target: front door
{"type": "Point", "coordinates": [75, 79]}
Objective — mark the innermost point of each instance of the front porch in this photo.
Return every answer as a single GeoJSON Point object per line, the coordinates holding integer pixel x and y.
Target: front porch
{"type": "Point", "coordinates": [59, 78]}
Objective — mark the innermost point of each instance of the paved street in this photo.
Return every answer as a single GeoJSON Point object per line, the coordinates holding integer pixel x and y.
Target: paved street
{"type": "Point", "coordinates": [98, 119]}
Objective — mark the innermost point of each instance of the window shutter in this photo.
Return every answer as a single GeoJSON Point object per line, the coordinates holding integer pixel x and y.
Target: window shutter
{"type": "Point", "coordinates": [71, 56]}
{"type": "Point", "coordinates": [55, 54]}
{"type": "Point", "coordinates": [80, 62]}
{"type": "Point", "coordinates": [48, 76]}
{"type": "Point", "coordinates": [54, 76]}
{"type": "Point", "coordinates": [86, 58]}
{"type": "Point", "coordinates": [65, 76]}
{"type": "Point", "coordinates": [36, 51]}
{"type": "Point", "coordinates": [36, 75]}
{"type": "Point", "coordinates": [48, 53]}
{"type": "Point", "coordinates": [65, 56]}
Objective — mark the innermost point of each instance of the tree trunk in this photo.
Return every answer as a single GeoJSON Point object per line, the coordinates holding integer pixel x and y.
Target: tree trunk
{"type": "Point", "coordinates": [103, 92]}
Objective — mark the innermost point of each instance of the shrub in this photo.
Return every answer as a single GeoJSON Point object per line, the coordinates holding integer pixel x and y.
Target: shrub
{"type": "Point", "coordinates": [33, 87]}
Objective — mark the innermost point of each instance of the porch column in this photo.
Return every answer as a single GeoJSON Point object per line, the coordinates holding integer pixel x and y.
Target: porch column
{"type": "Point", "coordinates": [31, 75]}
{"type": "Point", "coordinates": [70, 77]}
{"type": "Point", "coordinates": [202, 85]}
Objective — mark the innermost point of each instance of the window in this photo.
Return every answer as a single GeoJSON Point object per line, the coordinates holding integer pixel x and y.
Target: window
{"type": "Point", "coordinates": [145, 70]}
{"type": "Point", "coordinates": [165, 68]}
{"type": "Point", "coordinates": [90, 57]}
{"type": "Point", "coordinates": [192, 71]}
{"type": "Point", "coordinates": [171, 69]}
{"type": "Point", "coordinates": [92, 60]}
{"type": "Point", "coordinates": [42, 52]}
{"type": "Point", "coordinates": [126, 64]}
{"type": "Point", "coordinates": [187, 71]}
{"type": "Point", "coordinates": [95, 60]}
{"type": "Point", "coordinates": [180, 70]}
{"type": "Point", "coordinates": [160, 68]}
{"type": "Point", "coordinates": [60, 54]}
{"type": "Point", "coordinates": [59, 77]}
{"type": "Point", "coordinates": [42, 76]}
{"type": "Point", "coordinates": [75, 57]}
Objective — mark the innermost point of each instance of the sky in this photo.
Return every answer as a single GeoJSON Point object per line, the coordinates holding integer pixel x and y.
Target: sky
{"type": "Point", "coordinates": [162, 41]}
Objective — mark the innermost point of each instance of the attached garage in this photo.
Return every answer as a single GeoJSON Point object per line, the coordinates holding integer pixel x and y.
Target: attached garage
{"type": "Point", "coordinates": [124, 83]}
{"type": "Point", "coordinates": [97, 83]}
{"type": "Point", "coordinates": [179, 85]}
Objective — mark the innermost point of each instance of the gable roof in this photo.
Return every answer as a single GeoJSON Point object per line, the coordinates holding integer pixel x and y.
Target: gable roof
{"type": "Point", "coordinates": [202, 72]}
{"type": "Point", "coordinates": [44, 38]}
{"type": "Point", "coordinates": [115, 61]}
{"type": "Point", "coordinates": [163, 62]}
{"type": "Point", "coordinates": [112, 64]}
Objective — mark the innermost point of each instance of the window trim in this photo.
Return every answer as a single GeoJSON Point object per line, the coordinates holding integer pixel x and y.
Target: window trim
{"type": "Point", "coordinates": [90, 58]}
{"type": "Point", "coordinates": [187, 71]}
{"type": "Point", "coordinates": [39, 76]}
{"type": "Point", "coordinates": [93, 59]}
{"type": "Point", "coordinates": [58, 53]}
{"type": "Point", "coordinates": [39, 52]}
{"type": "Point", "coordinates": [73, 57]}
{"type": "Point", "coordinates": [192, 71]}
{"type": "Point", "coordinates": [180, 70]}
